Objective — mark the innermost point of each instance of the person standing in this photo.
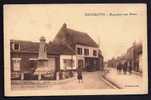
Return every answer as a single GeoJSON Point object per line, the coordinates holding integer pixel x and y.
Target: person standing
{"type": "Point", "coordinates": [125, 67]}
{"type": "Point", "coordinates": [117, 67]}
{"type": "Point", "coordinates": [120, 67]}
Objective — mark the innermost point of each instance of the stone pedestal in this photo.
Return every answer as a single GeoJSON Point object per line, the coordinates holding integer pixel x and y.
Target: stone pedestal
{"type": "Point", "coordinates": [22, 76]}
{"type": "Point", "coordinates": [39, 76]}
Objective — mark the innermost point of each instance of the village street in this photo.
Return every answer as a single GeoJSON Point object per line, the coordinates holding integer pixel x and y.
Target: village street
{"type": "Point", "coordinates": [91, 80]}
{"type": "Point", "coordinates": [126, 81]}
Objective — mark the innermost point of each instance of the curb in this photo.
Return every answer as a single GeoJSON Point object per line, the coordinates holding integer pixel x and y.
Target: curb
{"type": "Point", "coordinates": [110, 83]}
{"type": "Point", "coordinates": [44, 81]}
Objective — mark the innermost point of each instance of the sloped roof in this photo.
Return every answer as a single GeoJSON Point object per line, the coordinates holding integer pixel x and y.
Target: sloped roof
{"type": "Point", "coordinates": [60, 48]}
{"type": "Point", "coordinates": [73, 37]}
{"type": "Point", "coordinates": [138, 48]}
{"type": "Point", "coordinates": [27, 46]}
{"type": "Point", "coordinates": [63, 43]}
{"type": "Point", "coordinates": [52, 48]}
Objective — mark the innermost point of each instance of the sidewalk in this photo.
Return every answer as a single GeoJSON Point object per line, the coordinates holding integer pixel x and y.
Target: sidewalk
{"type": "Point", "coordinates": [127, 81]}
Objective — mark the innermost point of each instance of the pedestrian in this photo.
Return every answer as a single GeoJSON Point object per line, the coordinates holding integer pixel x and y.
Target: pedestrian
{"type": "Point", "coordinates": [125, 67]}
{"type": "Point", "coordinates": [117, 67]}
{"type": "Point", "coordinates": [120, 67]}
{"type": "Point", "coordinates": [129, 67]}
{"type": "Point", "coordinates": [79, 76]}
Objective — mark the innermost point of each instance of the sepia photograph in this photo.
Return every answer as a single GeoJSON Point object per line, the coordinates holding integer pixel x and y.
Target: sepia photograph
{"type": "Point", "coordinates": [75, 49]}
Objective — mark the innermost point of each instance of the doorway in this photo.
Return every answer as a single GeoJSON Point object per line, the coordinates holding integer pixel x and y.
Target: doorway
{"type": "Point", "coordinates": [80, 64]}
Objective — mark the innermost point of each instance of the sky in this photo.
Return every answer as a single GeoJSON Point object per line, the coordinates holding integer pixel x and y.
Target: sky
{"type": "Point", "coordinates": [111, 28]}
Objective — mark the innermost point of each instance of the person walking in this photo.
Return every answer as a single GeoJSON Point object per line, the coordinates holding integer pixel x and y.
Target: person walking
{"type": "Point", "coordinates": [79, 76]}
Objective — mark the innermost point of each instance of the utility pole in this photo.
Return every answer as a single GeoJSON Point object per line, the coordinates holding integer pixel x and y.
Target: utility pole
{"type": "Point", "coordinates": [100, 54]}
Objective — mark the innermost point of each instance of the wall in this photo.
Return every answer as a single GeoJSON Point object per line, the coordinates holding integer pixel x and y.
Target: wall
{"type": "Point", "coordinates": [140, 62]}
{"type": "Point", "coordinates": [57, 61]}
{"type": "Point", "coordinates": [25, 62]}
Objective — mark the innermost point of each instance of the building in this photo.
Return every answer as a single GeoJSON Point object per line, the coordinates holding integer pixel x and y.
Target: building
{"type": "Point", "coordinates": [68, 51]}
{"type": "Point", "coordinates": [134, 54]}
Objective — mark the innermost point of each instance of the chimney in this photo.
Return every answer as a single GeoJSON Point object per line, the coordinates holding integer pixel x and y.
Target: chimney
{"type": "Point", "coordinates": [42, 49]}
{"type": "Point", "coordinates": [64, 26]}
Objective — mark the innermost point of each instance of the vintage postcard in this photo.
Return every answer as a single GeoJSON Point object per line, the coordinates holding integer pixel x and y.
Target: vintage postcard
{"type": "Point", "coordinates": [75, 49]}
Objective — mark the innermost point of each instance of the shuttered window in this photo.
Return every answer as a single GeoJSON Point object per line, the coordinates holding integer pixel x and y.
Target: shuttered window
{"type": "Point", "coordinates": [94, 53]}
{"type": "Point", "coordinates": [68, 63]}
{"type": "Point", "coordinates": [16, 46]}
{"type": "Point", "coordinates": [86, 51]}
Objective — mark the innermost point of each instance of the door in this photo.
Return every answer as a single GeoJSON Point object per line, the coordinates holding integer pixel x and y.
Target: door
{"type": "Point", "coordinates": [16, 65]}
{"type": "Point", "coordinates": [80, 64]}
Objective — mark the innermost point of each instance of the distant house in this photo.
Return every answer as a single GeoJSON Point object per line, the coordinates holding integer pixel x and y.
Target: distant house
{"type": "Point", "coordinates": [111, 63]}
{"type": "Point", "coordinates": [69, 50]}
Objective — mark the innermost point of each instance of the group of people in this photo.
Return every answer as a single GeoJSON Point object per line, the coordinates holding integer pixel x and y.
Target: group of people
{"type": "Point", "coordinates": [124, 67]}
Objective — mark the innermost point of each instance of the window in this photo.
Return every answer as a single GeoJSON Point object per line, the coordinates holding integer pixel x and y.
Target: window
{"type": "Point", "coordinates": [16, 64]}
{"type": "Point", "coordinates": [68, 63]}
{"type": "Point", "coordinates": [94, 53]}
{"type": "Point", "coordinates": [86, 51]}
{"type": "Point", "coordinates": [95, 62]}
{"type": "Point", "coordinates": [79, 50]}
{"type": "Point", "coordinates": [16, 46]}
